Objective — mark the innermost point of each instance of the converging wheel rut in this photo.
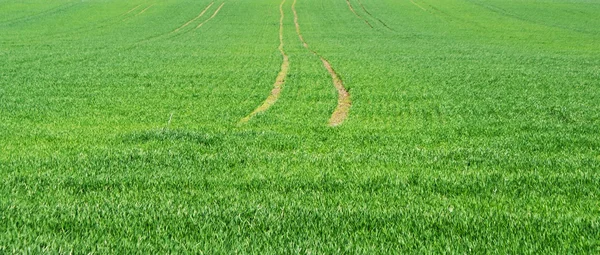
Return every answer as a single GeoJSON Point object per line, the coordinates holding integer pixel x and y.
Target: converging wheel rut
{"type": "Point", "coordinates": [344, 101]}
{"type": "Point", "coordinates": [371, 15]}
{"type": "Point", "coordinates": [211, 17]}
{"type": "Point", "coordinates": [194, 19]}
{"type": "Point", "coordinates": [342, 110]}
{"type": "Point", "coordinates": [280, 80]}
{"type": "Point", "coordinates": [360, 17]}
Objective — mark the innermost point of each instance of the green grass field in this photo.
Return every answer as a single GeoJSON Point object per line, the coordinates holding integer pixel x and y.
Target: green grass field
{"type": "Point", "coordinates": [467, 126]}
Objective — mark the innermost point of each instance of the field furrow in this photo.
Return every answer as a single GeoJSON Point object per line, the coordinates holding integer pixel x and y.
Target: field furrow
{"type": "Point", "coordinates": [211, 17]}
{"type": "Point", "coordinates": [280, 80]}
{"type": "Point", "coordinates": [342, 110]}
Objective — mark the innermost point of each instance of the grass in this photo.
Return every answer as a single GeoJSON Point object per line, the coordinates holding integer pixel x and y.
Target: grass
{"type": "Point", "coordinates": [473, 128]}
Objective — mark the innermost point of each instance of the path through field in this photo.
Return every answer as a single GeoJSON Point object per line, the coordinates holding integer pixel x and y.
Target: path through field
{"type": "Point", "coordinates": [291, 127]}
{"type": "Point", "coordinates": [280, 80]}
{"type": "Point", "coordinates": [132, 9]}
{"type": "Point", "coordinates": [344, 102]}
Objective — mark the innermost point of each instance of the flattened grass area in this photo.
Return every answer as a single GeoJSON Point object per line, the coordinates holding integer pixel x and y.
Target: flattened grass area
{"type": "Point", "coordinates": [474, 128]}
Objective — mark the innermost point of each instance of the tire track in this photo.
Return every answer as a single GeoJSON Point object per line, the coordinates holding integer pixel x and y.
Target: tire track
{"type": "Point", "coordinates": [173, 34]}
{"type": "Point", "coordinates": [42, 14]}
{"type": "Point", "coordinates": [125, 14]}
{"type": "Point", "coordinates": [360, 17]}
{"type": "Point", "coordinates": [134, 8]}
{"type": "Point", "coordinates": [380, 21]}
{"type": "Point", "coordinates": [431, 9]}
{"type": "Point", "coordinates": [194, 19]}
{"type": "Point", "coordinates": [340, 114]}
{"type": "Point", "coordinates": [280, 80]}
{"type": "Point", "coordinates": [144, 10]}
{"type": "Point", "coordinates": [108, 22]}
{"type": "Point", "coordinates": [90, 26]}
{"type": "Point", "coordinates": [504, 13]}
{"type": "Point", "coordinates": [417, 5]}
{"type": "Point", "coordinates": [211, 17]}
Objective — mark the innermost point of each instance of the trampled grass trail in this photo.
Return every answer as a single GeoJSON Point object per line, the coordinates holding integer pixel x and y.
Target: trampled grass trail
{"type": "Point", "coordinates": [211, 17]}
{"type": "Point", "coordinates": [280, 80]}
{"type": "Point", "coordinates": [344, 102]}
{"type": "Point", "coordinates": [194, 19]}
{"type": "Point", "coordinates": [356, 14]}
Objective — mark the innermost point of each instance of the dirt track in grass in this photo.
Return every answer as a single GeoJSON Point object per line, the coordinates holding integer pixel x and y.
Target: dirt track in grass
{"type": "Point", "coordinates": [340, 114]}
{"type": "Point", "coordinates": [280, 80]}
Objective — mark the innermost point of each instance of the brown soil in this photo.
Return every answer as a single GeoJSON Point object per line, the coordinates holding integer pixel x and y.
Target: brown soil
{"type": "Point", "coordinates": [344, 102]}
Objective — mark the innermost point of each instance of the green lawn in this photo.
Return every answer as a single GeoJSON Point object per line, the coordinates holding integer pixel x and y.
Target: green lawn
{"type": "Point", "coordinates": [474, 127]}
